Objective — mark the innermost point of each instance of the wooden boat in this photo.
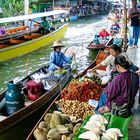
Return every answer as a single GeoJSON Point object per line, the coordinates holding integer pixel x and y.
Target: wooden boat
{"type": "Point", "coordinates": [31, 45]}
{"type": "Point", "coordinates": [18, 45]}
{"type": "Point", "coordinates": [93, 46]}
{"type": "Point", "coordinates": [101, 55]}
{"type": "Point", "coordinates": [100, 46]}
{"type": "Point", "coordinates": [7, 123]}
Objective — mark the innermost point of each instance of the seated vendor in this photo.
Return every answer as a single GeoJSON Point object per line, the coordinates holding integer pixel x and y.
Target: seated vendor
{"type": "Point", "coordinates": [44, 26]}
{"type": "Point", "coordinates": [2, 31]}
{"type": "Point", "coordinates": [121, 91]}
{"type": "Point", "coordinates": [58, 58]}
{"type": "Point", "coordinates": [96, 39]}
{"type": "Point", "coordinates": [103, 33]}
{"type": "Point", "coordinates": [115, 28]}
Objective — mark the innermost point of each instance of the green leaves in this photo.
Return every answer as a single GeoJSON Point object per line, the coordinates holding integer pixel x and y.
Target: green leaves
{"type": "Point", "coordinates": [12, 7]}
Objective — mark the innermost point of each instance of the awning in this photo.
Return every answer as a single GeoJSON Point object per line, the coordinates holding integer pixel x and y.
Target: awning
{"type": "Point", "coordinates": [32, 16]}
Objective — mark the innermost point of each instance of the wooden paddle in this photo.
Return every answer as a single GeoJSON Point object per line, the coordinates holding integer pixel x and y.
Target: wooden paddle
{"type": "Point", "coordinates": [27, 66]}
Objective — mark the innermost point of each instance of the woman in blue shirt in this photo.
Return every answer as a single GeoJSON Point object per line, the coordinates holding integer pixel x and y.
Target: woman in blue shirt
{"type": "Point", "coordinates": [57, 58]}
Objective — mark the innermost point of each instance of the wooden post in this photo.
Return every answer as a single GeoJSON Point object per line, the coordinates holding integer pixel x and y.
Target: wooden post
{"type": "Point", "coordinates": [26, 10]}
{"type": "Point", "coordinates": [125, 27]}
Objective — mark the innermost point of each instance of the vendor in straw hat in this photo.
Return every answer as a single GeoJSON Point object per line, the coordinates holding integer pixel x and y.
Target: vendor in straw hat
{"type": "Point", "coordinates": [57, 58]}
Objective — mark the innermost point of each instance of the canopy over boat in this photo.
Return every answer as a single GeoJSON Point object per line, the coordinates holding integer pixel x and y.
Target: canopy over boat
{"type": "Point", "coordinates": [32, 16]}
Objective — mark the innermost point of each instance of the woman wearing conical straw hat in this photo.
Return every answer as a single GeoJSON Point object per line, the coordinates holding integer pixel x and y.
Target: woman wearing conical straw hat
{"type": "Point", "coordinates": [58, 58]}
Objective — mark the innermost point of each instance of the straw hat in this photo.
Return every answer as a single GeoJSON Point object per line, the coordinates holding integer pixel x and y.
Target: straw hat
{"type": "Point", "coordinates": [57, 43]}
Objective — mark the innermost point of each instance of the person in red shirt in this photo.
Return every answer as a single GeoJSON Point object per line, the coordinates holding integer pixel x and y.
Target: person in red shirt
{"type": "Point", "coordinates": [103, 33]}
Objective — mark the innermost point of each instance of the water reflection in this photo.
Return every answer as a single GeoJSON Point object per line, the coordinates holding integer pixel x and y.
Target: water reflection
{"type": "Point", "coordinates": [78, 36]}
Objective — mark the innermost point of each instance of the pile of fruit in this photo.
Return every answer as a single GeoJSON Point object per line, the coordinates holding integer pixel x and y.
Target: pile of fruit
{"type": "Point", "coordinates": [57, 126]}
{"type": "Point", "coordinates": [81, 90]}
{"type": "Point", "coordinates": [75, 108]}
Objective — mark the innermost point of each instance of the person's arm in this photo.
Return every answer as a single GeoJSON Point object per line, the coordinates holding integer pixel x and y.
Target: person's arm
{"type": "Point", "coordinates": [106, 62]}
{"type": "Point", "coordinates": [66, 59]}
{"type": "Point", "coordinates": [135, 15]}
{"type": "Point", "coordinates": [130, 15]}
{"type": "Point", "coordinates": [107, 34]}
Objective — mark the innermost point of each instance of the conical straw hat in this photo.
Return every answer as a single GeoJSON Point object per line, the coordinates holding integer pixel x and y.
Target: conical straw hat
{"type": "Point", "coordinates": [57, 43]}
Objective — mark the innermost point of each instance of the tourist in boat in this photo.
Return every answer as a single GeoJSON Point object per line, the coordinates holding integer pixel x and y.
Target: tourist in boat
{"type": "Point", "coordinates": [121, 92]}
{"type": "Point", "coordinates": [96, 39]}
{"type": "Point", "coordinates": [115, 50]}
{"type": "Point", "coordinates": [134, 15]}
{"type": "Point", "coordinates": [115, 28]}
{"type": "Point", "coordinates": [44, 26]}
{"type": "Point", "coordinates": [31, 24]}
{"type": "Point", "coordinates": [2, 31]}
{"type": "Point", "coordinates": [104, 33]}
{"type": "Point", "coordinates": [57, 58]}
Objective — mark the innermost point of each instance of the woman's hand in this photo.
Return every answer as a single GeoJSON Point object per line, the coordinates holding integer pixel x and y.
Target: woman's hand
{"type": "Point", "coordinates": [59, 68]}
{"type": "Point", "coordinates": [91, 70]}
{"type": "Point", "coordinates": [73, 54]}
{"type": "Point", "coordinates": [103, 109]}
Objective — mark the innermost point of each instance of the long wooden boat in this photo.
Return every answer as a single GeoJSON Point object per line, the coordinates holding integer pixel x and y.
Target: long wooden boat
{"type": "Point", "coordinates": [7, 123]}
{"type": "Point", "coordinates": [101, 56]}
{"type": "Point", "coordinates": [31, 45]}
{"type": "Point", "coordinates": [93, 46]}
{"type": "Point", "coordinates": [100, 46]}
{"type": "Point", "coordinates": [17, 32]}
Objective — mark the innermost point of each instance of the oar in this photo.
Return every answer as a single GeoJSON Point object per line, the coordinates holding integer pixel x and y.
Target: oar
{"type": "Point", "coordinates": [76, 65]}
{"type": "Point", "coordinates": [27, 64]}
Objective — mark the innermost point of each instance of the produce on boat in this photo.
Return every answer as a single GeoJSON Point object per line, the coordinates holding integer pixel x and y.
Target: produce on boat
{"type": "Point", "coordinates": [75, 109]}
{"type": "Point", "coordinates": [94, 127]}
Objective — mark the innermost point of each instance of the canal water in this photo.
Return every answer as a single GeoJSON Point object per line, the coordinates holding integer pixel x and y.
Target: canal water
{"type": "Point", "coordinates": [78, 36]}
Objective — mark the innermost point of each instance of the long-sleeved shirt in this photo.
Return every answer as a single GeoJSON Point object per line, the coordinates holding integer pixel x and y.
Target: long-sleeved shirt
{"type": "Point", "coordinates": [110, 60]}
{"type": "Point", "coordinates": [58, 60]}
{"type": "Point", "coordinates": [118, 90]}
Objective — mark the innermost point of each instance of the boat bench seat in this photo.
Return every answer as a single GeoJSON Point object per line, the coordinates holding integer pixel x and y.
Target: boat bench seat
{"type": "Point", "coordinates": [2, 118]}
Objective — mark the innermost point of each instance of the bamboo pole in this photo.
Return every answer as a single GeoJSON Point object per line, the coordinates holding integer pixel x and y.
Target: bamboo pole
{"type": "Point", "coordinates": [125, 26]}
{"type": "Point", "coordinates": [27, 66]}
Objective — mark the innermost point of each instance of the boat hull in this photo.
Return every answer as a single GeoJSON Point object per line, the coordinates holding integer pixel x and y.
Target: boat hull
{"type": "Point", "coordinates": [41, 103]}
{"type": "Point", "coordinates": [32, 45]}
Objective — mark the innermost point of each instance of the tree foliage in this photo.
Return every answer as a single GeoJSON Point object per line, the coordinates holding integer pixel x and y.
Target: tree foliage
{"type": "Point", "coordinates": [13, 7]}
